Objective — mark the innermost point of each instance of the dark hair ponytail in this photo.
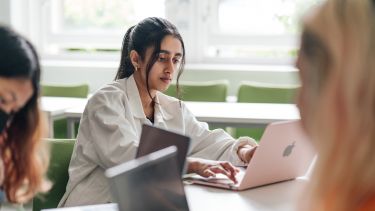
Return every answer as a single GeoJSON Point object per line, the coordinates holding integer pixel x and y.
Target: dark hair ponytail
{"type": "Point", "coordinates": [148, 33]}
{"type": "Point", "coordinates": [126, 68]}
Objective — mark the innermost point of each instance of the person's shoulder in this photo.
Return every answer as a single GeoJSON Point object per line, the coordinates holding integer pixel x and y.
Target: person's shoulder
{"type": "Point", "coordinates": [109, 93]}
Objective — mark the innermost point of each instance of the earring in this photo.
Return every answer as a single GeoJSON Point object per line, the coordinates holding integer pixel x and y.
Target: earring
{"type": "Point", "coordinates": [136, 68]}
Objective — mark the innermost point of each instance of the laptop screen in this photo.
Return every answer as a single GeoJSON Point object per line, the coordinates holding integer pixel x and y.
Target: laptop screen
{"type": "Point", "coordinates": [153, 139]}
{"type": "Point", "coordinates": [152, 182]}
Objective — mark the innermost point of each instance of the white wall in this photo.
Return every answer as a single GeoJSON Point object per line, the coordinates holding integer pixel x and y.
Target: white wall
{"type": "Point", "coordinates": [97, 74]}
{"type": "Point", "coordinates": [5, 12]}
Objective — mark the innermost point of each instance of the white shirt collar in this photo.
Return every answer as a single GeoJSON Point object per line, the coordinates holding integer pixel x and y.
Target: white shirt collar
{"type": "Point", "coordinates": [136, 104]}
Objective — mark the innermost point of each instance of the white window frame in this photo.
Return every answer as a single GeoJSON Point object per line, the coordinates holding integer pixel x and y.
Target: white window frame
{"type": "Point", "coordinates": [192, 17]}
{"type": "Point", "coordinates": [211, 36]}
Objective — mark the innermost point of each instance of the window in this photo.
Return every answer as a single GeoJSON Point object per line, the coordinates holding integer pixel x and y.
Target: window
{"type": "Point", "coordinates": [215, 31]}
{"type": "Point", "coordinates": [244, 31]}
{"type": "Point", "coordinates": [92, 26]}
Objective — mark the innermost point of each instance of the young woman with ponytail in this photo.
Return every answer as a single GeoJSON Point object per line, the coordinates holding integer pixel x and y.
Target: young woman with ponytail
{"type": "Point", "coordinates": [152, 51]}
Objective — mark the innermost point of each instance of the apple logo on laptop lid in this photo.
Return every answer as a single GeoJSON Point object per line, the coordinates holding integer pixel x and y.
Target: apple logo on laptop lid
{"type": "Point", "coordinates": [288, 150]}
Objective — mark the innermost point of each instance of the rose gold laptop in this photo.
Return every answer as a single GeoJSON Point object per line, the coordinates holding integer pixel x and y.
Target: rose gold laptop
{"type": "Point", "coordinates": [284, 153]}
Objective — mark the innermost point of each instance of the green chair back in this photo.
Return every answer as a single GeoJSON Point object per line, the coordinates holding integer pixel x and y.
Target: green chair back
{"type": "Point", "coordinates": [254, 92]}
{"type": "Point", "coordinates": [78, 91]}
{"type": "Point", "coordinates": [61, 152]}
{"type": "Point", "coordinates": [208, 91]}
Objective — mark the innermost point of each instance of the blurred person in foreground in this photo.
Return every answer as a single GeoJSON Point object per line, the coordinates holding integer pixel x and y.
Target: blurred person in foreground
{"type": "Point", "coordinates": [23, 158]}
{"type": "Point", "coordinates": [337, 103]}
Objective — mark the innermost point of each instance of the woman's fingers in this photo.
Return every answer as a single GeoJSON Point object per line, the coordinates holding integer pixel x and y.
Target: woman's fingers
{"type": "Point", "coordinates": [219, 169]}
{"type": "Point", "coordinates": [208, 173]}
{"type": "Point", "coordinates": [207, 168]}
{"type": "Point", "coordinates": [229, 167]}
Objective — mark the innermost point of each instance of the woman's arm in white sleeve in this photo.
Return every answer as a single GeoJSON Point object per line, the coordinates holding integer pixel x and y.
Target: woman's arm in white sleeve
{"type": "Point", "coordinates": [212, 144]}
{"type": "Point", "coordinates": [107, 132]}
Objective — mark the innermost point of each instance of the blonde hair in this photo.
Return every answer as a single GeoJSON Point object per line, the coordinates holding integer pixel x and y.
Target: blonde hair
{"type": "Point", "coordinates": [342, 122]}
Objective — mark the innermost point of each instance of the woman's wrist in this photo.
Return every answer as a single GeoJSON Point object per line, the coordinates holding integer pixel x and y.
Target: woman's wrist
{"type": "Point", "coordinates": [192, 165]}
{"type": "Point", "coordinates": [240, 153]}
{"type": "Point", "coordinates": [243, 151]}
{"type": "Point", "coordinates": [244, 147]}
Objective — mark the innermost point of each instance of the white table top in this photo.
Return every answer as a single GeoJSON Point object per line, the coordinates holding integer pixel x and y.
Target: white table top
{"type": "Point", "coordinates": [56, 106]}
{"type": "Point", "coordinates": [242, 114]}
{"type": "Point", "coordinates": [229, 114]}
{"type": "Point", "coordinates": [215, 113]}
{"type": "Point", "coordinates": [282, 196]}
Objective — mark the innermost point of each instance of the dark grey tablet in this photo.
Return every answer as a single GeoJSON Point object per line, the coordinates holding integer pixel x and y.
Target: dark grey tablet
{"type": "Point", "coordinates": [153, 139]}
{"type": "Point", "coordinates": [151, 182]}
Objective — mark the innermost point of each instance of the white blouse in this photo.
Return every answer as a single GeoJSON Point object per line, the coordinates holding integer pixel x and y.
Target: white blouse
{"type": "Point", "coordinates": [110, 130]}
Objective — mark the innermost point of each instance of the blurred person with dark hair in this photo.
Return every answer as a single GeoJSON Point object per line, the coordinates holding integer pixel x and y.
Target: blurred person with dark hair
{"type": "Point", "coordinates": [23, 158]}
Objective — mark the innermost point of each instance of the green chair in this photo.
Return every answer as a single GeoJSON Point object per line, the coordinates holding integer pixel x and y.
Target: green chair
{"type": "Point", "coordinates": [78, 91]}
{"type": "Point", "coordinates": [61, 152]}
{"type": "Point", "coordinates": [208, 91]}
{"type": "Point", "coordinates": [255, 92]}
